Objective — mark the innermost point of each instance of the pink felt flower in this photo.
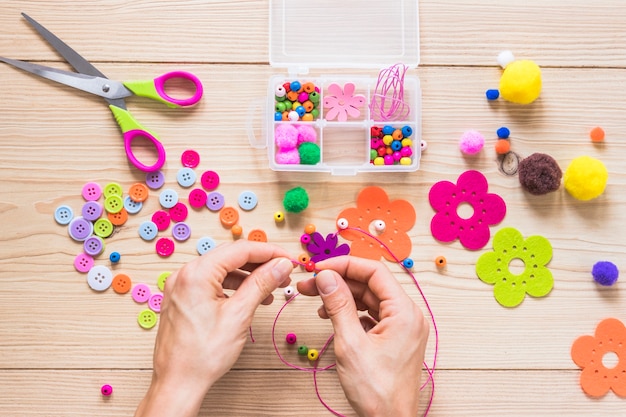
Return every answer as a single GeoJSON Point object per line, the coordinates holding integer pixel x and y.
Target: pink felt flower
{"type": "Point", "coordinates": [473, 231]}
{"type": "Point", "coordinates": [343, 102]}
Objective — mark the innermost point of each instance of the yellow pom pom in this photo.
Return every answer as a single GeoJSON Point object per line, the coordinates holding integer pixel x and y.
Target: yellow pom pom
{"type": "Point", "coordinates": [521, 82]}
{"type": "Point", "coordinates": [585, 178]}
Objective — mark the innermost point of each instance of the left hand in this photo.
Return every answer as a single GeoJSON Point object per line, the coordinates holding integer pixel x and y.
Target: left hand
{"type": "Point", "coordinates": [202, 331]}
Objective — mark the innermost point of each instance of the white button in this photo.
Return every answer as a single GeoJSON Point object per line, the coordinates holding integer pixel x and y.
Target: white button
{"type": "Point", "coordinates": [99, 278]}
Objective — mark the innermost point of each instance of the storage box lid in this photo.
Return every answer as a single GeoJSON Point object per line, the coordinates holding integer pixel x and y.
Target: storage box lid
{"type": "Point", "coordinates": [343, 33]}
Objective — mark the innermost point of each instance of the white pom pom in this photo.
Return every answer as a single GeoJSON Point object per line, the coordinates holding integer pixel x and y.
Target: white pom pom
{"type": "Point", "coordinates": [505, 58]}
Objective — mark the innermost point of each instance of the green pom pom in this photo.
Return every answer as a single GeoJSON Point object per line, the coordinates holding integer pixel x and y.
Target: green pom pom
{"type": "Point", "coordinates": [309, 153]}
{"type": "Point", "coordinates": [296, 200]}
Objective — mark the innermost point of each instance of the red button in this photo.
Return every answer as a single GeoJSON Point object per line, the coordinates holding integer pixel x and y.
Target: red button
{"type": "Point", "coordinates": [165, 247]}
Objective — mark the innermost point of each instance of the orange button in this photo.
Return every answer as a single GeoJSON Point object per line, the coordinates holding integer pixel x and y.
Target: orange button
{"type": "Point", "coordinates": [138, 192]}
{"type": "Point", "coordinates": [121, 283]}
{"type": "Point", "coordinates": [118, 218]}
{"type": "Point", "coordinates": [229, 216]}
{"type": "Point", "coordinates": [257, 235]}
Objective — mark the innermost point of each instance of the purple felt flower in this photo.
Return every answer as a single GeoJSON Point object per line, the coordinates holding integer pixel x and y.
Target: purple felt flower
{"type": "Point", "coordinates": [321, 248]}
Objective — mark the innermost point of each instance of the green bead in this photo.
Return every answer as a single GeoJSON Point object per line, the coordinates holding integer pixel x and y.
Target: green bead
{"type": "Point", "coordinates": [303, 350]}
{"type": "Point", "coordinates": [288, 104]}
{"type": "Point", "coordinates": [283, 98]}
{"type": "Point", "coordinates": [280, 106]}
{"type": "Point", "coordinates": [315, 113]}
{"type": "Point", "coordinates": [373, 154]}
{"type": "Point", "coordinates": [314, 97]}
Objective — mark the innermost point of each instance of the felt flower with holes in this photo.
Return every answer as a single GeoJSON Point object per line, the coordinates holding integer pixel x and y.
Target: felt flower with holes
{"type": "Point", "coordinates": [379, 224]}
{"type": "Point", "coordinates": [321, 248]}
{"type": "Point", "coordinates": [588, 352]}
{"type": "Point", "coordinates": [343, 102]}
{"type": "Point", "coordinates": [510, 287]}
{"type": "Point", "coordinates": [471, 190]}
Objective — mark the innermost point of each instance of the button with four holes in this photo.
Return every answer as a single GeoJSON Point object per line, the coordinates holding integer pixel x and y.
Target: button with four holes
{"type": "Point", "coordinates": [190, 158]}
{"type": "Point", "coordinates": [113, 204]}
{"type": "Point", "coordinates": [257, 235]}
{"type": "Point", "coordinates": [229, 216]}
{"type": "Point", "coordinates": [247, 200]}
{"type": "Point", "coordinates": [186, 177]}
{"type": "Point", "coordinates": [91, 191]}
{"type": "Point", "coordinates": [162, 279]}
{"type": "Point", "coordinates": [147, 319]}
{"type": "Point", "coordinates": [103, 228]}
{"type": "Point", "coordinates": [155, 302]}
{"type": "Point", "coordinates": [179, 212]}
{"type": "Point", "coordinates": [168, 198]}
{"type": "Point", "coordinates": [132, 206]}
{"type": "Point", "coordinates": [181, 231]}
{"type": "Point", "coordinates": [205, 244]}
{"type": "Point", "coordinates": [83, 262]}
{"type": "Point", "coordinates": [155, 179]}
{"type": "Point", "coordinates": [162, 219]}
{"type": "Point", "coordinates": [119, 218]}
{"type": "Point", "coordinates": [112, 189]}
{"type": "Point", "coordinates": [197, 198]}
{"type": "Point", "coordinates": [99, 278]}
{"type": "Point", "coordinates": [215, 201]}
{"type": "Point", "coordinates": [164, 247]}
{"type": "Point", "coordinates": [138, 192]}
{"type": "Point", "coordinates": [148, 230]}
{"type": "Point", "coordinates": [121, 283]}
{"type": "Point", "coordinates": [80, 229]}
{"type": "Point", "coordinates": [63, 215]}
{"type": "Point", "coordinates": [92, 210]}
{"type": "Point", "coordinates": [210, 180]}
{"type": "Point", "coordinates": [93, 246]}
{"type": "Point", "coordinates": [141, 293]}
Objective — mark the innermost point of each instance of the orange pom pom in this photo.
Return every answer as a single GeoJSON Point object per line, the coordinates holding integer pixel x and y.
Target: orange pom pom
{"type": "Point", "coordinates": [597, 134]}
{"type": "Point", "coordinates": [503, 146]}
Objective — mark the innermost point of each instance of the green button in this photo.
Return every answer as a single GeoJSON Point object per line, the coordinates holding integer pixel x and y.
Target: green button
{"type": "Point", "coordinates": [161, 280]}
{"type": "Point", "coordinates": [113, 188]}
{"type": "Point", "coordinates": [103, 228]}
{"type": "Point", "coordinates": [147, 319]}
{"type": "Point", "coordinates": [113, 204]}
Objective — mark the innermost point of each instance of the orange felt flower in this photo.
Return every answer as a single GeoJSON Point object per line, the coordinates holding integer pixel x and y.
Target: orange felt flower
{"type": "Point", "coordinates": [388, 221]}
{"type": "Point", "coordinates": [588, 352]}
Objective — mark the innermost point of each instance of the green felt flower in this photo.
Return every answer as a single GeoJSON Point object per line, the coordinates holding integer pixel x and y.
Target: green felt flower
{"type": "Point", "coordinates": [509, 288]}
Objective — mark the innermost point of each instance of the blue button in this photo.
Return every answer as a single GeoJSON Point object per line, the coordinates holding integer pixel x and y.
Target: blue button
{"type": "Point", "coordinates": [181, 231]}
{"type": "Point", "coordinates": [63, 215]}
{"type": "Point", "coordinates": [214, 201]}
{"type": "Point", "coordinates": [205, 244]}
{"type": "Point", "coordinates": [132, 206]}
{"type": "Point", "coordinates": [148, 230]}
{"type": "Point", "coordinates": [93, 246]}
{"type": "Point", "coordinates": [247, 200]}
{"type": "Point", "coordinates": [186, 177]}
{"type": "Point", "coordinates": [155, 179]}
{"type": "Point", "coordinates": [168, 198]}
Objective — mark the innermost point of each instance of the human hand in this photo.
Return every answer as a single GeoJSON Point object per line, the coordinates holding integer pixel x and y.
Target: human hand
{"type": "Point", "coordinates": [202, 331]}
{"type": "Point", "coordinates": [379, 359]}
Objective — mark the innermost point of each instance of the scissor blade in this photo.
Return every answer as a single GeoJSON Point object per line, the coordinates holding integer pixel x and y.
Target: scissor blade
{"type": "Point", "coordinates": [79, 63]}
{"type": "Point", "coordinates": [99, 86]}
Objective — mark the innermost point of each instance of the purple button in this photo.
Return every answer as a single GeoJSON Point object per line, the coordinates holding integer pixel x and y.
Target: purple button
{"type": "Point", "coordinates": [162, 219]}
{"type": "Point", "coordinates": [92, 210]}
{"type": "Point", "coordinates": [80, 229]}
{"type": "Point", "coordinates": [215, 201]}
{"type": "Point", "coordinates": [91, 191]}
{"type": "Point", "coordinates": [93, 246]}
{"type": "Point", "coordinates": [83, 262]}
{"type": "Point", "coordinates": [197, 198]}
{"type": "Point", "coordinates": [155, 180]}
{"type": "Point", "coordinates": [181, 231]}
{"type": "Point", "coordinates": [179, 212]}
{"type": "Point", "coordinates": [141, 293]}
{"type": "Point", "coordinates": [155, 302]}
{"type": "Point", "coordinates": [190, 158]}
{"type": "Point", "coordinates": [210, 180]}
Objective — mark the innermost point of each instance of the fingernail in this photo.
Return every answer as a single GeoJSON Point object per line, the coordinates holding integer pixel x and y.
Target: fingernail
{"type": "Point", "coordinates": [326, 282]}
{"type": "Point", "coordinates": [282, 269]}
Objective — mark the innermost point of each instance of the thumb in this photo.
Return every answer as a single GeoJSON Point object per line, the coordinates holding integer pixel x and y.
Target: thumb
{"type": "Point", "coordinates": [339, 304]}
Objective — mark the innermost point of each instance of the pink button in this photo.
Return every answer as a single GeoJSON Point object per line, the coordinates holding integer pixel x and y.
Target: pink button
{"type": "Point", "coordinates": [83, 262]}
{"type": "Point", "coordinates": [197, 198]}
{"type": "Point", "coordinates": [141, 293]}
{"type": "Point", "coordinates": [91, 191]}
{"type": "Point", "coordinates": [190, 158]}
{"type": "Point", "coordinates": [165, 246]}
{"type": "Point", "coordinates": [162, 219]}
{"type": "Point", "coordinates": [210, 180]}
{"type": "Point", "coordinates": [179, 212]}
{"type": "Point", "coordinates": [155, 302]}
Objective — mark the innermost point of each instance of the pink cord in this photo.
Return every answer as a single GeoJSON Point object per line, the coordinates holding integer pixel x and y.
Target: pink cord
{"type": "Point", "coordinates": [387, 102]}
{"type": "Point", "coordinates": [315, 369]}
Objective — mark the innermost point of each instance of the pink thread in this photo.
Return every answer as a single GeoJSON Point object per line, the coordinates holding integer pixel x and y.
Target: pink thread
{"type": "Point", "coordinates": [388, 98]}
{"type": "Point", "coordinates": [430, 371]}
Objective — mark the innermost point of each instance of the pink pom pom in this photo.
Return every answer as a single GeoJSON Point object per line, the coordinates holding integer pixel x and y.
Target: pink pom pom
{"type": "Point", "coordinates": [291, 156]}
{"type": "Point", "coordinates": [471, 142]}
{"type": "Point", "coordinates": [306, 133]}
{"type": "Point", "coordinates": [286, 136]}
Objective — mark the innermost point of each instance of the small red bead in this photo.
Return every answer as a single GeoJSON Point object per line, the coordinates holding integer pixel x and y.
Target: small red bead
{"type": "Point", "coordinates": [287, 87]}
{"type": "Point", "coordinates": [309, 266]}
{"type": "Point", "coordinates": [376, 132]}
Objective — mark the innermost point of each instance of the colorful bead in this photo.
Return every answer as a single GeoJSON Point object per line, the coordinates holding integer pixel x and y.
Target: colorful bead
{"type": "Point", "coordinates": [408, 263]}
{"type": "Point", "coordinates": [291, 338]}
{"type": "Point", "coordinates": [236, 230]}
{"type": "Point", "coordinates": [295, 85]}
{"type": "Point", "coordinates": [303, 258]}
{"type": "Point", "coordinates": [106, 390]}
{"type": "Point", "coordinates": [388, 159]}
{"type": "Point", "coordinates": [309, 266]}
{"type": "Point", "coordinates": [397, 134]}
{"type": "Point", "coordinates": [379, 226]}
{"type": "Point", "coordinates": [342, 223]}
{"type": "Point", "coordinates": [396, 145]}
{"type": "Point", "coordinates": [388, 130]}
{"type": "Point", "coordinates": [287, 87]}
{"type": "Point", "coordinates": [387, 139]}
{"type": "Point", "coordinates": [405, 161]}
{"type": "Point", "coordinates": [376, 132]}
{"type": "Point", "coordinates": [303, 96]}
{"type": "Point", "coordinates": [305, 239]}
{"type": "Point", "coordinates": [441, 261]}
{"type": "Point", "coordinates": [303, 350]}
{"type": "Point", "coordinates": [314, 97]}
{"type": "Point", "coordinates": [292, 95]}
{"type": "Point", "coordinates": [115, 257]}
{"type": "Point", "coordinates": [289, 293]}
{"type": "Point", "coordinates": [279, 216]}
{"type": "Point", "coordinates": [492, 94]}
{"type": "Point", "coordinates": [407, 131]}
{"type": "Point", "coordinates": [308, 87]}
{"type": "Point", "coordinates": [280, 91]}
{"type": "Point", "coordinates": [293, 116]}
{"type": "Point", "coordinates": [300, 110]}
{"type": "Point", "coordinates": [423, 145]}
{"type": "Point", "coordinates": [379, 161]}
{"type": "Point", "coordinates": [313, 354]}
{"type": "Point", "coordinates": [309, 229]}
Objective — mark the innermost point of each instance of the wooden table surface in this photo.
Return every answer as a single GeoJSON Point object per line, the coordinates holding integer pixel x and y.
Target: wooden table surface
{"type": "Point", "coordinates": [60, 341]}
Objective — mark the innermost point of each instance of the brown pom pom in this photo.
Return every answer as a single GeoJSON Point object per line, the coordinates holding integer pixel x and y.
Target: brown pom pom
{"type": "Point", "coordinates": [540, 174]}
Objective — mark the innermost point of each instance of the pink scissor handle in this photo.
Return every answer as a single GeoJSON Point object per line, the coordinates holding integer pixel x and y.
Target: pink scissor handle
{"type": "Point", "coordinates": [159, 84]}
{"type": "Point", "coordinates": [130, 136]}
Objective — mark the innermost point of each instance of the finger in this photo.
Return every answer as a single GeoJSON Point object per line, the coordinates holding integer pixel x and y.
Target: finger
{"type": "Point", "coordinates": [367, 323]}
{"type": "Point", "coordinates": [339, 306]}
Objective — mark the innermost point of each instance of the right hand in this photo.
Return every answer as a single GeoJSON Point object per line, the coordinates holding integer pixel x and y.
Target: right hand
{"type": "Point", "coordinates": [379, 359]}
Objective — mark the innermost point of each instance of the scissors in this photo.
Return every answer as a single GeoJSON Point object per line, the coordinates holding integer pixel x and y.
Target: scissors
{"type": "Point", "coordinates": [90, 79]}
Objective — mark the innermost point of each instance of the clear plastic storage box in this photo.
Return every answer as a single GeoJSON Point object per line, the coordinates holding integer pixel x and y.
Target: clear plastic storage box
{"type": "Point", "coordinates": [334, 123]}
